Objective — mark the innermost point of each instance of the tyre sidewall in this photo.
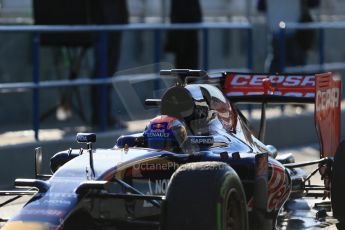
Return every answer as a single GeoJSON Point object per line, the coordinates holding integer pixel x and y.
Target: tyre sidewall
{"type": "Point", "coordinates": [338, 185]}
{"type": "Point", "coordinates": [198, 195]}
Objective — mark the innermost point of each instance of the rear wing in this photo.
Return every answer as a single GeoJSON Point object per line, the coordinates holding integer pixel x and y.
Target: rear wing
{"type": "Point", "coordinates": [271, 89]}
{"type": "Point", "coordinates": [324, 90]}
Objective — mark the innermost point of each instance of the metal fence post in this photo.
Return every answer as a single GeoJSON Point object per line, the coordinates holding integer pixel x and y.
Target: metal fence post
{"type": "Point", "coordinates": [102, 99]}
{"type": "Point", "coordinates": [157, 50]}
{"type": "Point", "coordinates": [36, 81]}
{"type": "Point", "coordinates": [322, 48]}
{"type": "Point", "coordinates": [250, 49]}
{"type": "Point", "coordinates": [282, 41]}
{"type": "Point", "coordinates": [250, 60]}
{"type": "Point", "coordinates": [205, 49]}
{"type": "Point", "coordinates": [157, 57]}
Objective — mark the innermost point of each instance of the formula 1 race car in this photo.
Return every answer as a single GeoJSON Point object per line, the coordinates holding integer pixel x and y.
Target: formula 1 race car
{"type": "Point", "coordinates": [198, 165]}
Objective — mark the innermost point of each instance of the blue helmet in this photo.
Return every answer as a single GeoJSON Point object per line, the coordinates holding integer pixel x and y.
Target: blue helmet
{"type": "Point", "coordinates": [165, 133]}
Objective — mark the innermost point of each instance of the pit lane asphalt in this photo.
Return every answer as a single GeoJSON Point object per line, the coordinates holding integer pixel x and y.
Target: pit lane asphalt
{"type": "Point", "coordinates": [298, 215]}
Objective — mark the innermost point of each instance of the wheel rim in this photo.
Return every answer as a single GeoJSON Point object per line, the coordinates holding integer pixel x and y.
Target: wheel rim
{"type": "Point", "coordinates": [233, 212]}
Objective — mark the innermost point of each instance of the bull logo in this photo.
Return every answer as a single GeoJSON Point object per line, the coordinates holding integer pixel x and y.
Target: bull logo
{"type": "Point", "coordinates": [159, 126]}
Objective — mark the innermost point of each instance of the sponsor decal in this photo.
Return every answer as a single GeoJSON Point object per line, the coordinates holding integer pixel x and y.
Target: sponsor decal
{"type": "Point", "coordinates": [275, 93]}
{"type": "Point", "coordinates": [278, 188]}
{"type": "Point", "coordinates": [328, 113]}
{"type": "Point", "coordinates": [61, 195]}
{"type": "Point", "coordinates": [159, 125]}
{"type": "Point", "coordinates": [286, 81]}
{"type": "Point", "coordinates": [42, 212]}
{"type": "Point", "coordinates": [158, 130]}
{"type": "Point", "coordinates": [202, 140]}
{"type": "Point", "coordinates": [289, 86]}
{"type": "Point", "coordinates": [328, 99]}
{"type": "Point", "coordinates": [154, 133]}
{"type": "Point", "coordinates": [51, 202]}
{"type": "Point", "coordinates": [160, 188]}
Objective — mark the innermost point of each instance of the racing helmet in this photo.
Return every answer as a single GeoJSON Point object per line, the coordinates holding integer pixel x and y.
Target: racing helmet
{"type": "Point", "coordinates": [165, 133]}
{"type": "Point", "coordinates": [193, 104]}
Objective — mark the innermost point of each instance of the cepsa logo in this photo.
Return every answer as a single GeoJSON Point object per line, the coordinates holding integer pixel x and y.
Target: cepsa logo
{"type": "Point", "coordinates": [293, 85]}
{"type": "Point", "coordinates": [286, 81]}
{"type": "Point", "coordinates": [328, 99]}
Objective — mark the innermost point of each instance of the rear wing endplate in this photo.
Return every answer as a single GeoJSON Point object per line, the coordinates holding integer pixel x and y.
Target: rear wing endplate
{"type": "Point", "coordinates": [328, 113]}
{"type": "Point", "coordinates": [324, 90]}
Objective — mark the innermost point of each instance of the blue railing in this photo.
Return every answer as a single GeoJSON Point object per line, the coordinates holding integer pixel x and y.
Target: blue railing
{"type": "Point", "coordinates": [103, 31]}
{"type": "Point", "coordinates": [317, 26]}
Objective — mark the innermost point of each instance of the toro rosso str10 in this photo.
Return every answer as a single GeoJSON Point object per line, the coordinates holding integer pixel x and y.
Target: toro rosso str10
{"type": "Point", "coordinates": [198, 165]}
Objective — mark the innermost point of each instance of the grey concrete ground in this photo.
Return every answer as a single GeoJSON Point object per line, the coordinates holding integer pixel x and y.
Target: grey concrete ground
{"type": "Point", "coordinates": [301, 214]}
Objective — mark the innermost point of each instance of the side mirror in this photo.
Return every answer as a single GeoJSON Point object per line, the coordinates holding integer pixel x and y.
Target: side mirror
{"type": "Point", "coordinates": [86, 138]}
{"type": "Point", "coordinates": [38, 161]}
{"type": "Point", "coordinates": [153, 102]}
{"type": "Point", "coordinates": [38, 165]}
{"type": "Point", "coordinates": [272, 151]}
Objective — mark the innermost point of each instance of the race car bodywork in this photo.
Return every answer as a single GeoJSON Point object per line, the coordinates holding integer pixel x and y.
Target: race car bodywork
{"type": "Point", "coordinates": [134, 187]}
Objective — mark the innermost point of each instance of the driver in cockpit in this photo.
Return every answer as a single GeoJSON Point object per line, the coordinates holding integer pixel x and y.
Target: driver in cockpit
{"type": "Point", "coordinates": [167, 133]}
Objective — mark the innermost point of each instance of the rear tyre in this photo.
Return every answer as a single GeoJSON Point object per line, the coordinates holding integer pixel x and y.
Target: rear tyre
{"type": "Point", "coordinates": [205, 196]}
{"type": "Point", "coordinates": [338, 186]}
